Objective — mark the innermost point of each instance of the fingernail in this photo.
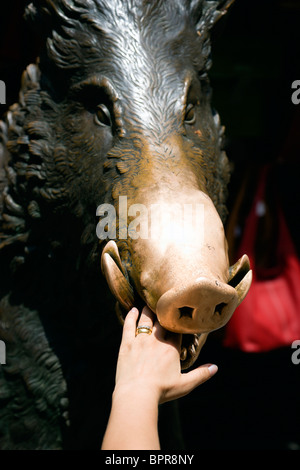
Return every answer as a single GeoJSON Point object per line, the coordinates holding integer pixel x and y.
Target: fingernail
{"type": "Point", "coordinates": [212, 369]}
{"type": "Point", "coordinates": [134, 310]}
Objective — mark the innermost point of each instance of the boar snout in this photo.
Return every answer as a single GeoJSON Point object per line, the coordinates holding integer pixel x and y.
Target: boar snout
{"type": "Point", "coordinates": [202, 306]}
{"type": "Point", "coordinates": [189, 286]}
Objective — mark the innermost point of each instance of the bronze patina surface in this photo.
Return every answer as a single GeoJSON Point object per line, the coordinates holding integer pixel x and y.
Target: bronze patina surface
{"type": "Point", "coordinates": [118, 105]}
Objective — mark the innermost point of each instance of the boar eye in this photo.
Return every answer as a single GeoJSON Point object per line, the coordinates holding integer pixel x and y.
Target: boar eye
{"type": "Point", "coordinates": [190, 115]}
{"type": "Point", "coordinates": [102, 116]}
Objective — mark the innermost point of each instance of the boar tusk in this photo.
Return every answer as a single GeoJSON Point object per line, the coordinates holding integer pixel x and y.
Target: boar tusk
{"type": "Point", "coordinates": [242, 266]}
{"type": "Point", "coordinates": [115, 277]}
{"type": "Point", "coordinates": [112, 249]}
{"type": "Point", "coordinates": [240, 277]}
{"type": "Point", "coordinates": [243, 287]}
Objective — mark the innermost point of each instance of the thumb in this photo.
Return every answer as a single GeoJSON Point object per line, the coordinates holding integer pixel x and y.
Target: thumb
{"type": "Point", "coordinates": [190, 380]}
{"type": "Point", "coordinates": [198, 376]}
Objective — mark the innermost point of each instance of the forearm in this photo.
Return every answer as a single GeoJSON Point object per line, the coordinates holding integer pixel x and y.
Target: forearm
{"type": "Point", "coordinates": [133, 419]}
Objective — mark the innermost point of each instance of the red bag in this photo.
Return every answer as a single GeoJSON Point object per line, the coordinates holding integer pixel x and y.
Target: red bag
{"type": "Point", "coordinates": [269, 316]}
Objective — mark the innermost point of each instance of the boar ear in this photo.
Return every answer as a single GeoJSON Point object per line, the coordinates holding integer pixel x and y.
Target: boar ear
{"type": "Point", "coordinates": [211, 12]}
{"type": "Point", "coordinates": [39, 17]}
{"type": "Point", "coordinates": [44, 15]}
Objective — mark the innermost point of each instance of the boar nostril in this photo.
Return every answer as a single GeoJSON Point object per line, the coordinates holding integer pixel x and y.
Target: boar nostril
{"type": "Point", "coordinates": [219, 308]}
{"type": "Point", "coordinates": [186, 312]}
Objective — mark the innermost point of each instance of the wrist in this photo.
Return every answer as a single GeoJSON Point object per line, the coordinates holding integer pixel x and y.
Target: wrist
{"type": "Point", "coordinates": [136, 392]}
{"type": "Point", "coordinates": [133, 419]}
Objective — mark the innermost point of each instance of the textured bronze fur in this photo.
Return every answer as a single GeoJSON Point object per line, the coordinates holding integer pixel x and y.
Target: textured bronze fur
{"type": "Point", "coordinates": [57, 166]}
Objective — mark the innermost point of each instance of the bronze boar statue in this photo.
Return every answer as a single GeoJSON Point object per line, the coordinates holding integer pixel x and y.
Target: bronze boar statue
{"type": "Point", "coordinates": [114, 118]}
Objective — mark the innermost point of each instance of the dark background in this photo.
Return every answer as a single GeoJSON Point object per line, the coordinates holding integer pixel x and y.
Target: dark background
{"type": "Point", "coordinates": [253, 401]}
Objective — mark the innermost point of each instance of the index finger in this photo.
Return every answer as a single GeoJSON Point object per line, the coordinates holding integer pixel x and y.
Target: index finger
{"type": "Point", "coordinates": [129, 326]}
{"type": "Point", "coordinates": [147, 317]}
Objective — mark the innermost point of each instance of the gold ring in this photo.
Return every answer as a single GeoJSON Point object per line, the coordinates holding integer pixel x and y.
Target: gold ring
{"type": "Point", "coordinates": [143, 329]}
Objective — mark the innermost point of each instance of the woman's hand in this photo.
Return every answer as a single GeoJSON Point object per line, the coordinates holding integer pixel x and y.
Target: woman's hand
{"type": "Point", "coordinates": [151, 362]}
{"type": "Point", "coordinates": [148, 373]}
